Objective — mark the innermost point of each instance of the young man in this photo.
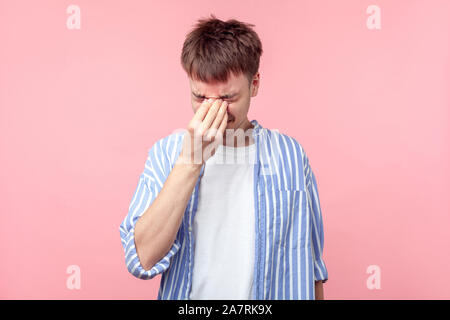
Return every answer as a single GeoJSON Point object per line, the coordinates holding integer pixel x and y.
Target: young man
{"type": "Point", "coordinates": [213, 226]}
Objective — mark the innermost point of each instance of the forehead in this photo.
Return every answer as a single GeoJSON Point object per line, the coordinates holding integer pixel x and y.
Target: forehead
{"type": "Point", "coordinates": [232, 86]}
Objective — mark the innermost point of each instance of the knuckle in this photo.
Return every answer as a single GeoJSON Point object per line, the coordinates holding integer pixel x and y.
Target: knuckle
{"type": "Point", "coordinates": [191, 131]}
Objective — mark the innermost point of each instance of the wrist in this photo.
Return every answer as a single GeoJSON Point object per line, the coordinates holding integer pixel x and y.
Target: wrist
{"type": "Point", "coordinates": [194, 167]}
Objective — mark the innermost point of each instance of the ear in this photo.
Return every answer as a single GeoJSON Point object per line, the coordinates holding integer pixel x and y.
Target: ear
{"type": "Point", "coordinates": [255, 85]}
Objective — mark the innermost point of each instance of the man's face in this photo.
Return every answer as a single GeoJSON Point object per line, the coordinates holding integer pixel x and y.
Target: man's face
{"type": "Point", "coordinates": [235, 91]}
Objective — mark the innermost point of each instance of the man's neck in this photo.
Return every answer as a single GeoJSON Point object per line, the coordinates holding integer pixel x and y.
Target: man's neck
{"type": "Point", "coordinates": [240, 141]}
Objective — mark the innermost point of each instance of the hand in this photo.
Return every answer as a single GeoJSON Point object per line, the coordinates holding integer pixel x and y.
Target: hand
{"type": "Point", "coordinates": [204, 133]}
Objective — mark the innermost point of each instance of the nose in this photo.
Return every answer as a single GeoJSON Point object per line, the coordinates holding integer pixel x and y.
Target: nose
{"type": "Point", "coordinates": [214, 99]}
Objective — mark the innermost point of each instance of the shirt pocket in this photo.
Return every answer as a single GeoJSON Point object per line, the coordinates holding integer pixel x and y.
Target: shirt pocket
{"type": "Point", "coordinates": [288, 214]}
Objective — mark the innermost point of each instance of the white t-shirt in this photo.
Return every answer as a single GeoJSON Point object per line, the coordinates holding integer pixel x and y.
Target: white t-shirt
{"type": "Point", "coordinates": [224, 227]}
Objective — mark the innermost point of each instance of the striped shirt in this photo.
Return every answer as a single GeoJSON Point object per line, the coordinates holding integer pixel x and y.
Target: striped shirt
{"type": "Point", "coordinates": [289, 235]}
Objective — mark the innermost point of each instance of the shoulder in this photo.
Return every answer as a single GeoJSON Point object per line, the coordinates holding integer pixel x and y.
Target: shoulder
{"type": "Point", "coordinates": [162, 155]}
{"type": "Point", "coordinates": [287, 156]}
{"type": "Point", "coordinates": [167, 145]}
{"type": "Point", "coordinates": [289, 146]}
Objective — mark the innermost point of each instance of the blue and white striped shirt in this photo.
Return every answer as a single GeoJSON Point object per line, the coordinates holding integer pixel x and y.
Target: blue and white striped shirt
{"type": "Point", "coordinates": [289, 235]}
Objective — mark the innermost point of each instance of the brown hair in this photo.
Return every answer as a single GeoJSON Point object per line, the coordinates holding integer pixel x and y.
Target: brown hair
{"type": "Point", "coordinates": [214, 48]}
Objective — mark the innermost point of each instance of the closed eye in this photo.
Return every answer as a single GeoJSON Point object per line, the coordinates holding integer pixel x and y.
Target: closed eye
{"type": "Point", "coordinates": [225, 99]}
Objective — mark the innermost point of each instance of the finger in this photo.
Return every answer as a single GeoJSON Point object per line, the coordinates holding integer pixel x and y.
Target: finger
{"type": "Point", "coordinates": [210, 116]}
{"type": "Point", "coordinates": [218, 120]}
{"type": "Point", "coordinates": [222, 111]}
{"type": "Point", "coordinates": [223, 126]}
{"type": "Point", "coordinates": [202, 111]}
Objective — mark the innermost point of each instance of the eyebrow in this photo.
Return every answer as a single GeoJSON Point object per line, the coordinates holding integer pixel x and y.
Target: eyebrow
{"type": "Point", "coordinates": [226, 96]}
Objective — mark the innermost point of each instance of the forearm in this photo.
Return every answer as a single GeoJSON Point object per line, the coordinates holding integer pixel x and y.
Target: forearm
{"type": "Point", "coordinates": [319, 290]}
{"type": "Point", "coordinates": [156, 229]}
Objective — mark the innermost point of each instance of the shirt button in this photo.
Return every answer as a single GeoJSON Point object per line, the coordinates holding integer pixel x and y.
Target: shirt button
{"type": "Point", "coordinates": [190, 229]}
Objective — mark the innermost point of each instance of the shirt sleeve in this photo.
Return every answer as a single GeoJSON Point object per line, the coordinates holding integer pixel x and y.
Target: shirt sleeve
{"type": "Point", "coordinates": [149, 185]}
{"type": "Point", "coordinates": [317, 234]}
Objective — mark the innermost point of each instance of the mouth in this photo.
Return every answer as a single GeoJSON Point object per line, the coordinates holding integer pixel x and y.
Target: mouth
{"type": "Point", "coordinates": [230, 117]}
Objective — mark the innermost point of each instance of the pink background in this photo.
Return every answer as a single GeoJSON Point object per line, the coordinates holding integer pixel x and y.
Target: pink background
{"type": "Point", "coordinates": [79, 110]}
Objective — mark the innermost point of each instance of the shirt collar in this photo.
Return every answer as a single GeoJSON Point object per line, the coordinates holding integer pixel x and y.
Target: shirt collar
{"type": "Point", "coordinates": [257, 129]}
